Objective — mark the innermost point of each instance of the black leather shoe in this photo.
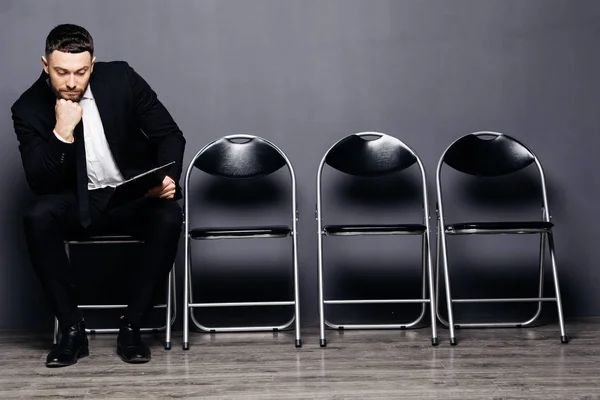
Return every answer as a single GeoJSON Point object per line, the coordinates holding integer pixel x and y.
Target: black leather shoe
{"type": "Point", "coordinates": [73, 345]}
{"type": "Point", "coordinates": [130, 347]}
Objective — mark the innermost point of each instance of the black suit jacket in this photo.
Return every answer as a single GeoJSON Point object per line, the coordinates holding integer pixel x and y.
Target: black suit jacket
{"type": "Point", "coordinates": [140, 131]}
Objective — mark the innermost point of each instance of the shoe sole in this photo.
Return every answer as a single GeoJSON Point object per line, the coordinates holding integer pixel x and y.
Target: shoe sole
{"type": "Point", "coordinates": [133, 360]}
{"type": "Point", "coordinates": [83, 353]}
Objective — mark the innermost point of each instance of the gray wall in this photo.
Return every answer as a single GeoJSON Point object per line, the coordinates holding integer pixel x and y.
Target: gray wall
{"type": "Point", "coordinates": [306, 73]}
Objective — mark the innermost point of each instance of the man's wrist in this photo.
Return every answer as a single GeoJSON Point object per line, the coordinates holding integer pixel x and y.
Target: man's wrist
{"type": "Point", "coordinates": [68, 139]}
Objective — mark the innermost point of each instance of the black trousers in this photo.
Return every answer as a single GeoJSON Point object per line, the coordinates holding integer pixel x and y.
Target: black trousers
{"type": "Point", "coordinates": [55, 217]}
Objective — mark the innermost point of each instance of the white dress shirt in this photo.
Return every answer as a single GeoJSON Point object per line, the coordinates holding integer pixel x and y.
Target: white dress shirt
{"type": "Point", "coordinates": [102, 171]}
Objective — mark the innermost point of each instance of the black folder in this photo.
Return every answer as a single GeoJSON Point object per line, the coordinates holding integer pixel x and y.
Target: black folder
{"type": "Point", "coordinates": [136, 188]}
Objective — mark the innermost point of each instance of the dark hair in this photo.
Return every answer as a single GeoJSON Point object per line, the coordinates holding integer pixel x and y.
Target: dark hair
{"type": "Point", "coordinates": [69, 38]}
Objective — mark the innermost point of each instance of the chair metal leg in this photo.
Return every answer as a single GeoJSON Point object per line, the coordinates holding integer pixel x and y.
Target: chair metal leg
{"type": "Point", "coordinates": [447, 284]}
{"type": "Point", "coordinates": [432, 297]}
{"type": "Point", "coordinates": [190, 305]}
{"type": "Point", "coordinates": [423, 301]}
{"type": "Point", "coordinates": [427, 273]}
{"type": "Point", "coordinates": [170, 301]}
{"type": "Point", "coordinates": [540, 283]}
{"type": "Point", "coordinates": [56, 329]}
{"type": "Point", "coordinates": [322, 332]}
{"type": "Point", "coordinates": [561, 322]}
{"type": "Point", "coordinates": [56, 324]}
{"type": "Point", "coordinates": [423, 278]}
{"type": "Point", "coordinates": [322, 339]}
{"type": "Point", "coordinates": [294, 318]}
{"type": "Point", "coordinates": [539, 299]}
{"type": "Point", "coordinates": [298, 341]}
{"type": "Point", "coordinates": [186, 293]}
{"type": "Point", "coordinates": [437, 280]}
{"type": "Point", "coordinates": [169, 306]}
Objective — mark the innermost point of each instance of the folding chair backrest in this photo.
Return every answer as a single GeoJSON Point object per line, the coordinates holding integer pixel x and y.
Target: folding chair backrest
{"type": "Point", "coordinates": [489, 154]}
{"type": "Point", "coordinates": [370, 154]}
{"type": "Point", "coordinates": [239, 156]}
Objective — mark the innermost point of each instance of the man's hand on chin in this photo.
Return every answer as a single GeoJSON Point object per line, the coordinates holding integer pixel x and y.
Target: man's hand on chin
{"type": "Point", "coordinates": [164, 191]}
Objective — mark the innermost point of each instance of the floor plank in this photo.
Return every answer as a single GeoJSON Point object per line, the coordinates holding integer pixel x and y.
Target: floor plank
{"type": "Point", "coordinates": [487, 364]}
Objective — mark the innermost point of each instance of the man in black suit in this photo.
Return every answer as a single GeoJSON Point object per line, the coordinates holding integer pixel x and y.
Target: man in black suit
{"type": "Point", "coordinates": [83, 127]}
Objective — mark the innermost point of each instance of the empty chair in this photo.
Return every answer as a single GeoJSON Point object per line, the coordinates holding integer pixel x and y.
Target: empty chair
{"type": "Point", "coordinates": [169, 305]}
{"type": "Point", "coordinates": [374, 154]}
{"type": "Point", "coordinates": [239, 157]}
{"type": "Point", "coordinates": [488, 155]}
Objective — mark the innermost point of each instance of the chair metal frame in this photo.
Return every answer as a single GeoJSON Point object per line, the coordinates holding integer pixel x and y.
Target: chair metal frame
{"type": "Point", "coordinates": [171, 301]}
{"type": "Point", "coordinates": [189, 303]}
{"type": "Point", "coordinates": [426, 265]}
{"type": "Point", "coordinates": [545, 233]}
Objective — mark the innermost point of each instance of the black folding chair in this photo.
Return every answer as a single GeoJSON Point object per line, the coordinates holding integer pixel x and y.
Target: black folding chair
{"type": "Point", "coordinates": [239, 157]}
{"type": "Point", "coordinates": [372, 154]}
{"type": "Point", "coordinates": [492, 154]}
{"type": "Point", "coordinates": [169, 305]}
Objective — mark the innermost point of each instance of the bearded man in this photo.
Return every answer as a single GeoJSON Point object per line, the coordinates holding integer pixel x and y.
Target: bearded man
{"type": "Point", "coordinates": [83, 127]}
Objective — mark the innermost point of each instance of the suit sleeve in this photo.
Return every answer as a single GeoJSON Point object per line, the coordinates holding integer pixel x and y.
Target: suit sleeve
{"type": "Point", "coordinates": [46, 160]}
{"type": "Point", "coordinates": [157, 124]}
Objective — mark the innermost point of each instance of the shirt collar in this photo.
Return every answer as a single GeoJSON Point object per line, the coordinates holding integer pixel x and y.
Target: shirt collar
{"type": "Point", "coordinates": [88, 93]}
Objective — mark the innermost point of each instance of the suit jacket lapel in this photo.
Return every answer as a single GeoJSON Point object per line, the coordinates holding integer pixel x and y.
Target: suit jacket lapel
{"type": "Point", "coordinates": [46, 116]}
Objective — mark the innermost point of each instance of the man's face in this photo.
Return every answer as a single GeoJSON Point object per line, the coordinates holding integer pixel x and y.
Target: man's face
{"type": "Point", "coordinates": [69, 73]}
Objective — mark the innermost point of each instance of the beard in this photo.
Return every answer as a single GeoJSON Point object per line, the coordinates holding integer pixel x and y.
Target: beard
{"type": "Point", "coordinates": [61, 94]}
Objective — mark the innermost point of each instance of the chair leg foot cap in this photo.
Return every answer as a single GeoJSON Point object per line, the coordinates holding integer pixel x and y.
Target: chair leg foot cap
{"type": "Point", "coordinates": [564, 339]}
{"type": "Point", "coordinates": [323, 343]}
{"type": "Point", "coordinates": [298, 343]}
{"type": "Point", "coordinates": [167, 345]}
{"type": "Point", "coordinates": [453, 341]}
{"type": "Point", "coordinates": [186, 346]}
{"type": "Point", "coordinates": [434, 341]}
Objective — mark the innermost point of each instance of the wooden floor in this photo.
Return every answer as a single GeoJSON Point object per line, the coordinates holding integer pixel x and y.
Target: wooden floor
{"type": "Point", "coordinates": [487, 364]}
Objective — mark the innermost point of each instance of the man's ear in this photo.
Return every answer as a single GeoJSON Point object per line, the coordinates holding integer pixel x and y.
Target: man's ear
{"type": "Point", "coordinates": [92, 67]}
{"type": "Point", "coordinates": [45, 64]}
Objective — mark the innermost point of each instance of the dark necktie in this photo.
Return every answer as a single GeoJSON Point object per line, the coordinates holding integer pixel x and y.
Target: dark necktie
{"type": "Point", "coordinates": [82, 179]}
